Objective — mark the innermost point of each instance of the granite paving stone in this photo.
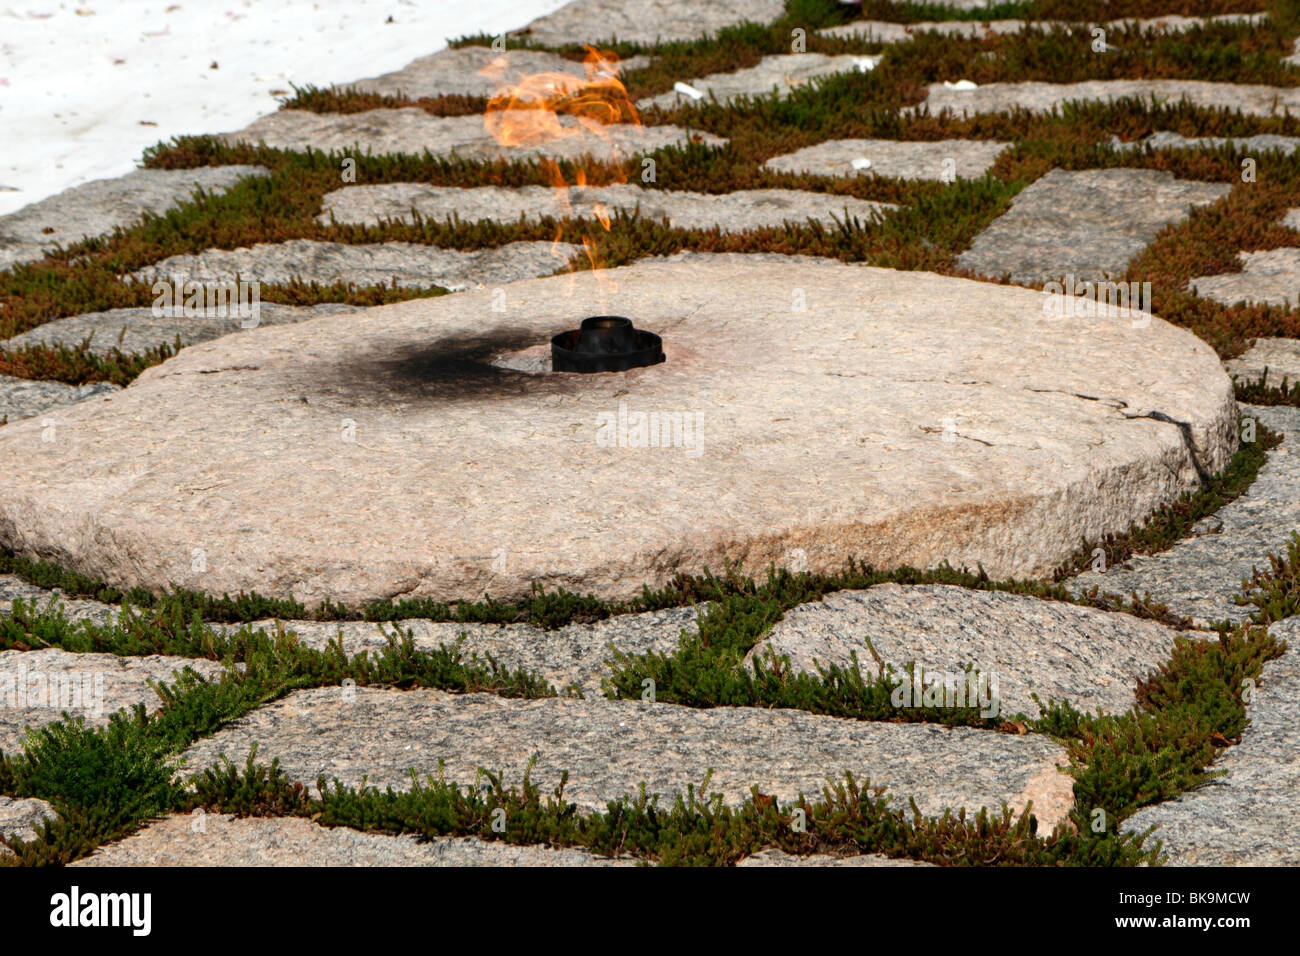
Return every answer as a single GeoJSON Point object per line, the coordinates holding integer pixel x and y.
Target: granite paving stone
{"type": "Point", "coordinates": [645, 21]}
{"type": "Point", "coordinates": [38, 686]}
{"type": "Point", "coordinates": [139, 330]}
{"type": "Point", "coordinates": [1199, 576]}
{"type": "Point", "coordinates": [574, 654]}
{"type": "Point", "coordinates": [1022, 645]}
{"type": "Point", "coordinates": [1269, 277]}
{"type": "Point", "coordinates": [215, 839]}
{"type": "Point", "coordinates": [733, 212]}
{"type": "Point", "coordinates": [478, 71]}
{"type": "Point", "coordinates": [777, 74]}
{"type": "Point", "coordinates": [939, 159]}
{"type": "Point", "coordinates": [97, 208]}
{"type": "Point", "coordinates": [1280, 358]}
{"type": "Point", "coordinates": [1039, 97]}
{"type": "Point", "coordinates": [1087, 223]}
{"type": "Point", "coordinates": [611, 747]}
{"type": "Point", "coordinates": [408, 265]}
{"type": "Point", "coordinates": [1247, 816]}
{"type": "Point", "coordinates": [22, 818]}
{"type": "Point", "coordinates": [27, 398]}
{"type": "Point", "coordinates": [412, 130]}
{"type": "Point", "coordinates": [883, 31]}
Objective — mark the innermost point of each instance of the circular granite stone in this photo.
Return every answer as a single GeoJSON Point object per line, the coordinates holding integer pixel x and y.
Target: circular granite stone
{"type": "Point", "coordinates": [808, 411]}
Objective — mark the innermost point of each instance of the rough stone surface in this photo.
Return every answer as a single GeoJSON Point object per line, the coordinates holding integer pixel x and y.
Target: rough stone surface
{"type": "Point", "coordinates": [36, 687]}
{"type": "Point", "coordinates": [99, 207]}
{"type": "Point", "coordinates": [1271, 277]}
{"type": "Point", "coordinates": [138, 330]}
{"type": "Point", "coordinates": [411, 130]}
{"type": "Point", "coordinates": [293, 841]}
{"type": "Point", "coordinates": [409, 265]}
{"type": "Point", "coordinates": [733, 212]}
{"type": "Point", "coordinates": [778, 74]}
{"type": "Point", "coordinates": [1199, 576]}
{"type": "Point", "coordinates": [775, 857]}
{"type": "Point", "coordinates": [575, 654]}
{"type": "Point", "coordinates": [74, 609]}
{"type": "Point", "coordinates": [1025, 645]}
{"type": "Point", "coordinates": [26, 398]}
{"type": "Point", "coordinates": [1164, 139]}
{"type": "Point", "coordinates": [475, 71]}
{"type": "Point", "coordinates": [21, 819]}
{"type": "Point", "coordinates": [1279, 357]}
{"type": "Point", "coordinates": [903, 159]}
{"type": "Point", "coordinates": [882, 31]}
{"type": "Point", "coordinates": [1292, 218]}
{"type": "Point", "coordinates": [837, 446]}
{"type": "Point", "coordinates": [611, 747]}
{"type": "Point", "coordinates": [646, 21]}
{"type": "Point", "coordinates": [1044, 236]}
{"type": "Point", "coordinates": [1247, 817]}
{"type": "Point", "coordinates": [1041, 97]}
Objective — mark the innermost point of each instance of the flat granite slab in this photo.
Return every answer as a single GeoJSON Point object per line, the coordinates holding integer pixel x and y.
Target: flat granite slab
{"type": "Point", "coordinates": [217, 839]}
{"type": "Point", "coordinates": [1038, 97]}
{"type": "Point", "coordinates": [777, 74]}
{"type": "Point", "coordinates": [99, 207]}
{"type": "Point", "coordinates": [138, 330]}
{"type": "Point", "coordinates": [1280, 358]}
{"type": "Point", "coordinates": [406, 264]}
{"type": "Point", "coordinates": [14, 589]}
{"type": "Point", "coordinates": [572, 655]}
{"type": "Point", "coordinates": [1199, 576]}
{"type": "Point", "coordinates": [477, 71]}
{"type": "Point", "coordinates": [353, 457]}
{"type": "Point", "coordinates": [1261, 142]}
{"type": "Point", "coordinates": [26, 398]}
{"type": "Point", "coordinates": [1246, 817]}
{"type": "Point", "coordinates": [37, 687]}
{"type": "Point", "coordinates": [22, 819]}
{"type": "Point", "coordinates": [611, 747]}
{"type": "Point", "coordinates": [645, 21]}
{"type": "Point", "coordinates": [1043, 237]}
{"type": "Point", "coordinates": [731, 212]}
{"type": "Point", "coordinates": [411, 130]}
{"type": "Point", "coordinates": [882, 31]}
{"type": "Point", "coordinates": [1271, 277]}
{"type": "Point", "coordinates": [1021, 645]}
{"type": "Point", "coordinates": [939, 159]}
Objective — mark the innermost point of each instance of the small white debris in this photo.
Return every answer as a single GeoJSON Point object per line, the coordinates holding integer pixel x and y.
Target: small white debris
{"type": "Point", "coordinates": [865, 64]}
{"type": "Point", "coordinates": [687, 90]}
{"type": "Point", "coordinates": [960, 85]}
{"type": "Point", "coordinates": [861, 163]}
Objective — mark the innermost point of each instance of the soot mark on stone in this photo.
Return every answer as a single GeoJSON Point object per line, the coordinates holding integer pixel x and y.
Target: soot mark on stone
{"type": "Point", "coordinates": [445, 370]}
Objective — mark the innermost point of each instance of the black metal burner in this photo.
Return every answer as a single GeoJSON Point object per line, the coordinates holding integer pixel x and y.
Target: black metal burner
{"type": "Point", "coordinates": [605, 343]}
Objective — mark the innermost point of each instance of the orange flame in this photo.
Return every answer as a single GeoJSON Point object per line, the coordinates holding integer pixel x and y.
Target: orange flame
{"type": "Point", "coordinates": [545, 108]}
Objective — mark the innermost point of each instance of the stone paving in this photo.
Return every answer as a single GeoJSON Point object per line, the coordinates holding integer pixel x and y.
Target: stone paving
{"type": "Point", "coordinates": [403, 264]}
{"type": "Point", "coordinates": [885, 32]}
{"type": "Point", "coordinates": [779, 75]}
{"type": "Point", "coordinates": [99, 207]}
{"type": "Point", "coordinates": [411, 130]}
{"type": "Point", "coordinates": [1199, 576]}
{"type": "Point", "coordinates": [1087, 224]}
{"type": "Point", "coordinates": [475, 71]}
{"type": "Point", "coordinates": [731, 212]}
{"type": "Point", "coordinates": [1246, 816]}
{"type": "Point", "coordinates": [939, 159]}
{"type": "Point", "coordinates": [1254, 100]}
{"type": "Point", "coordinates": [429, 449]}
